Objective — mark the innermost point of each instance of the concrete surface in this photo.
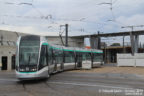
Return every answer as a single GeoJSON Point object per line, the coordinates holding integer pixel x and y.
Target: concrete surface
{"type": "Point", "coordinates": [109, 69]}
{"type": "Point", "coordinates": [73, 84]}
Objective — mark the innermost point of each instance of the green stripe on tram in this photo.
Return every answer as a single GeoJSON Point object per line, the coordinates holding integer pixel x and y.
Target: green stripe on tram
{"type": "Point", "coordinates": [97, 52]}
{"type": "Point", "coordinates": [45, 44]}
{"type": "Point", "coordinates": [69, 49]}
{"type": "Point", "coordinates": [27, 72]}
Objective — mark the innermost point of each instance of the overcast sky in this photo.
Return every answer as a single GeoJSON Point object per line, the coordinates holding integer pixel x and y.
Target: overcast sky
{"type": "Point", "coordinates": [83, 16]}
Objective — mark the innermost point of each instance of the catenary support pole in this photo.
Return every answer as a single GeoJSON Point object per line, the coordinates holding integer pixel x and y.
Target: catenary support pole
{"type": "Point", "coordinates": [66, 35]}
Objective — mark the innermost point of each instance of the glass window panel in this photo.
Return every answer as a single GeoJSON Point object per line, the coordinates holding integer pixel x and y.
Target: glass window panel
{"type": "Point", "coordinates": [28, 53]}
{"type": "Point", "coordinates": [43, 62]}
{"type": "Point", "coordinates": [97, 57]}
{"type": "Point", "coordinates": [58, 56]}
{"type": "Point", "coordinates": [50, 58]}
{"type": "Point", "coordinates": [69, 57]}
{"type": "Point", "coordinates": [86, 56]}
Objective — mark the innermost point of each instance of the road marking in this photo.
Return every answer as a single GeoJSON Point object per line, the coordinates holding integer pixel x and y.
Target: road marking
{"type": "Point", "coordinates": [75, 84]}
{"type": "Point", "coordinates": [89, 85]}
{"type": "Point", "coordinates": [7, 73]}
{"type": "Point", "coordinates": [8, 80]}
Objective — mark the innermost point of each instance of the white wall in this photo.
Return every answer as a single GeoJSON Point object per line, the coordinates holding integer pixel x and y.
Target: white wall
{"type": "Point", "coordinates": [8, 51]}
{"type": "Point", "coordinates": [129, 60]}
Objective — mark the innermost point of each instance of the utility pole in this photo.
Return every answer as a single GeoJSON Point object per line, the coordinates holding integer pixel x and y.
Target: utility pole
{"type": "Point", "coordinates": [133, 45]}
{"type": "Point", "coordinates": [66, 35]}
{"type": "Point", "coordinates": [99, 41]}
{"type": "Point", "coordinates": [105, 53]}
{"type": "Point", "coordinates": [123, 44]}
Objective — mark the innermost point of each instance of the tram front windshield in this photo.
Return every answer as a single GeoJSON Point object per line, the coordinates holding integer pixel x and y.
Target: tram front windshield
{"type": "Point", "coordinates": [28, 52]}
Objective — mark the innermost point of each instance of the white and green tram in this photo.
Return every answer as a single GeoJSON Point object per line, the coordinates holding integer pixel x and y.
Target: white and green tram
{"type": "Point", "coordinates": [36, 58]}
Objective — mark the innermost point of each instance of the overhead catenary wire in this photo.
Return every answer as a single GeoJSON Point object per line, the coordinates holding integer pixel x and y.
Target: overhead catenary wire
{"type": "Point", "coordinates": [111, 8]}
{"type": "Point", "coordinates": [114, 1]}
{"type": "Point", "coordinates": [49, 16]}
{"type": "Point", "coordinates": [37, 10]}
{"type": "Point", "coordinates": [42, 16]}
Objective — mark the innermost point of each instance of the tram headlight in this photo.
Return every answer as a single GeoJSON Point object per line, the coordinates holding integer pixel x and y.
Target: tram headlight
{"type": "Point", "coordinates": [33, 69]}
{"type": "Point", "coordinates": [21, 70]}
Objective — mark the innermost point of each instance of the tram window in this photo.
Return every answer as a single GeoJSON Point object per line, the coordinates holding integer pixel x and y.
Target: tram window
{"type": "Point", "coordinates": [86, 56]}
{"type": "Point", "coordinates": [43, 62]}
{"type": "Point", "coordinates": [83, 56]}
{"type": "Point", "coordinates": [28, 52]}
{"type": "Point", "coordinates": [69, 57]}
{"type": "Point", "coordinates": [16, 59]}
{"type": "Point", "coordinates": [50, 58]}
{"type": "Point", "coordinates": [97, 57]}
{"type": "Point", "coordinates": [58, 56]}
{"type": "Point", "coordinates": [79, 57]}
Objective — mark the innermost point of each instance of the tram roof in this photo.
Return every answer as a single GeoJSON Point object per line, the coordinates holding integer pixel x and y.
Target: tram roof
{"type": "Point", "coordinates": [75, 49]}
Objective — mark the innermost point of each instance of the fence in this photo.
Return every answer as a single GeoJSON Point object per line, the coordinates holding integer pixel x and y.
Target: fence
{"type": "Point", "coordinates": [129, 60]}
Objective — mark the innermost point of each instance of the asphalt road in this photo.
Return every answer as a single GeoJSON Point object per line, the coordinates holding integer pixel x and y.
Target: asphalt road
{"type": "Point", "coordinates": [74, 84]}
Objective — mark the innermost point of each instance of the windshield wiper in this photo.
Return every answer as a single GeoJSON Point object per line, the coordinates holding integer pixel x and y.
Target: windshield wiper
{"type": "Point", "coordinates": [29, 59]}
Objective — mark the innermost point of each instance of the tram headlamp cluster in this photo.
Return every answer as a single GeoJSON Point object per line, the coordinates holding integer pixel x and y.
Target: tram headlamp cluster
{"type": "Point", "coordinates": [27, 69]}
{"type": "Point", "coordinates": [33, 69]}
{"type": "Point", "coordinates": [21, 70]}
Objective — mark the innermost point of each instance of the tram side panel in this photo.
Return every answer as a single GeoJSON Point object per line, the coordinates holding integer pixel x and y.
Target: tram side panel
{"type": "Point", "coordinates": [58, 59]}
{"type": "Point", "coordinates": [69, 60]}
{"type": "Point", "coordinates": [78, 60]}
{"type": "Point", "coordinates": [43, 62]}
{"type": "Point", "coordinates": [97, 59]}
{"type": "Point", "coordinates": [54, 59]}
{"type": "Point", "coordinates": [86, 60]}
{"type": "Point", "coordinates": [50, 59]}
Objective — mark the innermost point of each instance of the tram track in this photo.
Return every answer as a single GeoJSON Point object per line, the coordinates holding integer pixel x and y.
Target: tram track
{"type": "Point", "coordinates": [70, 84]}
{"type": "Point", "coordinates": [135, 85]}
{"type": "Point", "coordinates": [52, 89]}
{"type": "Point", "coordinates": [101, 80]}
{"type": "Point", "coordinates": [30, 93]}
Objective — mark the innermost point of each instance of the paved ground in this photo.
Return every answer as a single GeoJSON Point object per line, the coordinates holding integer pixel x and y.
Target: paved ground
{"type": "Point", "coordinates": [111, 69]}
{"type": "Point", "coordinates": [74, 84]}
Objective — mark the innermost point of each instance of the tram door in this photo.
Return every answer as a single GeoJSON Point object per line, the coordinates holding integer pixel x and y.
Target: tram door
{"type": "Point", "coordinates": [4, 62]}
{"type": "Point", "coordinates": [13, 62]}
{"type": "Point", "coordinates": [79, 60]}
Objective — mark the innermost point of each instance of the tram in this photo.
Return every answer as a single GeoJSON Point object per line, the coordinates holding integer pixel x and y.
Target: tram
{"type": "Point", "coordinates": [36, 58]}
